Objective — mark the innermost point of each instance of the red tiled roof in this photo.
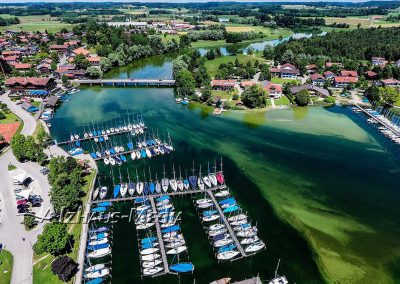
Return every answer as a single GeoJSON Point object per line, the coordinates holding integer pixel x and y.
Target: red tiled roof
{"type": "Point", "coordinates": [311, 66]}
{"type": "Point", "coordinates": [94, 59]}
{"type": "Point", "coordinates": [341, 79]}
{"type": "Point", "coordinates": [22, 66]}
{"type": "Point", "coordinates": [42, 82]}
{"type": "Point", "coordinates": [81, 50]}
{"type": "Point", "coordinates": [58, 46]}
{"type": "Point", "coordinates": [274, 88]}
{"type": "Point", "coordinates": [275, 70]}
{"type": "Point", "coordinates": [348, 73]}
{"type": "Point", "coordinates": [11, 52]}
{"type": "Point", "coordinates": [390, 81]}
{"type": "Point", "coordinates": [329, 73]}
{"type": "Point", "coordinates": [371, 74]}
{"type": "Point", "coordinates": [225, 83]}
{"type": "Point", "coordinates": [247, 83]}
{"type": "Point", "coordinates": [316, 76]}
{"type": "Point", "coordinates": [10, 58]}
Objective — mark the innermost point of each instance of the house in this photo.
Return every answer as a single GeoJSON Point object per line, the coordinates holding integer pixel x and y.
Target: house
{"type": "Point", "coordinates": [94, 60]}
{"type": "Point", "coordinates": [29, 83]}
{"type": "Point", "coordinates": [43, 68]}
{"type": "Point", "coordinates": [329, 75]}
{"type": "Point", "coordinates": [317, 79]}
{"type": "Point", "coordinates": [314, 90]}
{"type": "Point", "coordinates": [224, 85]}
{"type": "Point", "coordinates": [391, 83]}
{"type": "Point", "coordinates": [371, 75]}
{"type": "Point", "coordinates": [22, 66]}
{"type": "Point", "coordinates": [348, 73]}
{"type": "Point", "coordinates": [81, 50]}
{"type": "Point", "coordinates": [10, 59]}
{"type": "Point", "coordinates": [245, 84]}
{"type": "Point", "coordinates": [378, 61]}
{"type": "Point", "coordinates": [50, 102]}
{"type": "Point", "coordinates": [274, 90]}
{"type": "Point", "coordinates": [311, 68]}
{"type": "Point", "coordinates": [6, 53]}
{"type": "Point", "coordinates": [28, 107]}
{"type": "Point", "coordinates": [286, 71]}
{"type": "Point", "coordinates": [61, 49]}
{"type": "Point", "coordinates": [340, 81]}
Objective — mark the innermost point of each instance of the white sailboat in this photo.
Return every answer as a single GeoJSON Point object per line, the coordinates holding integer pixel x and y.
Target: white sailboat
{"type": "Point", "coordinates": [97, 273]}
{"type": "Point", "coordinates": [172, 182]}
{"type": "Point", "coordinates": [133, 155]}
{"type": "Point", "coordinates": [164, 182]}
{"type": "Point", "coordinates": [124, 189]}
{"type": "Point", "coordinates": [157, 185]}
{"type": "Point", "coordinates": [223, 242]}
{"type": "Point", "coordinates": [95, 267]}
{"type": "Point", "coordinates": [150, 257]}
{"type": "Point", "coordinates": [152, 270]}
{"type": "Point", "coordinates": [149, 251]}
{"type": "Point", "coordinates": [98, 242]}
{"type": "Point", "coordinates": [226, 255]}
{"type": "Point", "coordinates": [177, 250]}
{"type": "Point", "coordinates": [255, 247]}
{"type": "Point", "coordinates": [150, 264]}
{"type": "Point", "coordinates": [211, 218]}
{"type": "Point", "coordinates": [99, 253]}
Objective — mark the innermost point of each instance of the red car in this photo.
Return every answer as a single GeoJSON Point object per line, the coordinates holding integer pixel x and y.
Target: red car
{"type": "Point", "coordinates": [22, 201]}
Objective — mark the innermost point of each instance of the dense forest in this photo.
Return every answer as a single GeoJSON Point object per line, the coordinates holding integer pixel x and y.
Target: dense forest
{"type": "Point", "coordinates": [357, 44]}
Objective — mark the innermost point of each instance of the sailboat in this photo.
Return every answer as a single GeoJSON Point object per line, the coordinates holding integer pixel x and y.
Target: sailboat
{"type": "Point", "coordinates": [179, 181]}
{"type": "Point", "coordinates": [116, 187]}
{"type": "Point", "coordinates": [173, 182]}
{"type": "Point", "coordinates": [164, 182]}
{"type": "Point", "coordinates": [139, 185]}
{"type": "Point", "coordinates": [95, 267]}
{"type": "Point", "coordinates": [124, 186]}
{"type": "Point", "coordinates": [200, 182]}
{"type": "Point", "coordinates": [131, 185]}
{"type": "Point", "coordinates": [152, 186]}
{"type": "Point", "coordinates": [186, 183]}
{"type": "Point", "coordinates": [255, 247]}
{"type": "Point", "coordinates": [97, 273]}
{"type": "Point", "coordinates": [182, 267]}
{"type": "Point", "coordinates": [158, 185]}
{"type": "Point", "coordinates": [152, 270]}
{"type": "Point", "coordinates": [277, 278]}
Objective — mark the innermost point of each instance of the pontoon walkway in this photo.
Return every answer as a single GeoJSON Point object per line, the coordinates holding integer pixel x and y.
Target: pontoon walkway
{"type": "Point", "coordinates": [127, 82]}
{"type": "Point", "coordinates": [388, 126]}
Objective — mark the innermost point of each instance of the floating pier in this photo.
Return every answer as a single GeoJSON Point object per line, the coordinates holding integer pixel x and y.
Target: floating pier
{"type": "Point", "coordinates": [160, 238]}
{"type": "Point", "coordinates": [129, 152]}
{"type": "Point", "coordinates": [98, 136]}
{"type": "Point", "coordinates": [128, 82]}
{"type": "Point", "coordinates": [228, 226]}
{"type": "Point", "coordinates": [174, 193]}
{"type": "Point", "coordinates": [388, 126]}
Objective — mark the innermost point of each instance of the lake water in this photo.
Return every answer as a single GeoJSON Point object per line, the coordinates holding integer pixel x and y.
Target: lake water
{"type": "Point", "coordinates": [320, 183]}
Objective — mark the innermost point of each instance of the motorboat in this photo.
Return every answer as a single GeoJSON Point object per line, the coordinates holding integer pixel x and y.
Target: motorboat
{"type": "Point", "coordinates": [216, 227]}
{"type": "Point", "coordinates": [211, 218]}
{"type": "Point", "coordinates": [150, 264]}
{"type": "Point", "coordinates": [152, 270]}
{"type": "Point", "coordinates": [182, 267]}
{"type": "Point", "coordinates": [173, 184]}
{"type": "Point", "coordinates": [204, 205]}
{"type": "Point", "coordinates": [237, 217]}
{"type": "Point", "coordinates": [193, 181]}
{"type": "Point", "coordinates": [226, 255]}
{"type": "Point", "coordinates": [222, 193]}
{"type": "Point", "coordinates": [214, 233]}
{"type": "Point", "coordinates": [95, 193]}
{"type": "Point", "coordinates": [223, 242]}
{"type": "Point", "coordinates": [255, 247]}
{"type": "Point", "coordinates": [158, 187]}
{"type": "Point", "coordinates": [150, 257]}
{"type": "Point", "coordinates": [248, 241]}
{"type": "Point", "coordinates": [204, 200]}
{"type": "Point", "coordinates": [144, 226]}
{"type": "Point", "coordinates": [149, 251]}
{"type": "Point", "coordinates": [220, 178]}
{"type": "Point", "coordinates": [95, 267]}
{"type": "Point", "coordinates": [176, 250]}
{"type": "Point", "coordinates": [97, 274]}
{"type": "Point", "coordinates": [131, 188]}
{"type": "Point", "coordinates": [99, 253]}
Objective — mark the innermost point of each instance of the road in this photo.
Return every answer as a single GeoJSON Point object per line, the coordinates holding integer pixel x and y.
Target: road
{"type": "Point", "coordinates": [11, 232]}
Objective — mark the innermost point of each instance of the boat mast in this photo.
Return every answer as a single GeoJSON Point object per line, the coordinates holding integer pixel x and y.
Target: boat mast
{"type": "Point", "coordinates": [276, 270]}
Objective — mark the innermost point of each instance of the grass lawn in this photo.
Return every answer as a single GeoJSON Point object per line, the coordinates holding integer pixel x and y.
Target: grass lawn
{"type": "Point", "coordinates": [282, 101]}
{"type": "Point", "coordinates": [278, 80]}
{"type": "Point", "coordinates": [36, 104]}
{"type": "Point", "coordinates": [224, 94]}
{"type": "Point", "coordinates": [37, 23]}
{"type": "Point", "coordinates": [42, 269]}
{"type": "Point", "coordinates": [212, 65]}
{"type": "Point", "coordinates": [10, 117]}
{"type": "Point", "coordinates": [6, 265]}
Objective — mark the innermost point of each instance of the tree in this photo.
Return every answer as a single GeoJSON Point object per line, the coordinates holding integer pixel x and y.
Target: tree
{"type": "Point", "coordinates": [178, 65]}
{"type": "Point", "coordinates": [372, 93]}
{"type": "Point", "coordinates": [255, 96]}
{"type": "Point", "coordinates": [268, 52]}
{"type": "Point", "coordinates": [232, 49]}
{"type": "Point", "coordinates": [184, 41]}
{"type": "Point", "coordinates": [94, 72]}
{"type": "Point", "coordinates": [54, 239]}
{"type": "Point", "coordinates": [302, 98]}
{"type": "Point", "coordinates": [65, 79]}
{"type": "Point", "coordinates": [29, 222]}
{"type": "Point", "coordinates": [64, 267]}
{"type": "Point", "coordinates": [105, 64]}
{"type": "Point", "coordinates": [41, 135]}
{"type": "Point", "coordinates": [389, 95]}
{"type": "Point", "coordinates": [185, 83]}
{"type": "Point", "coordinates": [265, 73]}
{"type": "Point", "coordinates": [288, 56]}
{"type": "Point", "coordinates": [81, 61]}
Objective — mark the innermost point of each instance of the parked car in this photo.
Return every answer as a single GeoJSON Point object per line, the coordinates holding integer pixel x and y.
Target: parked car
{"type": "Point", "coordinates": [21, 201]}
{"type": "Point", "coordinates": [27, 181]}
{"type": "Point", "coordinates": [16, 182]}
{"type": "Point", "coordinates": [17, 190]}
{"type": "Point", "coordinates": [44, 171]}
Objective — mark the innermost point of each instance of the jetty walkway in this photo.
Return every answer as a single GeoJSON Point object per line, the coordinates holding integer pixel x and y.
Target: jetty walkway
{"type": "Point", "coordinates": [387, 125]}
{"type": "Point", "coordinates": [160, 239]}
{"type": "Point", "coordinates": [127, 82]}
{"type": "Point", "coordinates": [228, 226]}
{"type": "Point", "coordinates": [174, 193]}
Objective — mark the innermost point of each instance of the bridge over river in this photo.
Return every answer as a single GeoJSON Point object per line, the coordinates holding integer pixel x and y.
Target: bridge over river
{"type": "Point", "coordinates": [127, 82]}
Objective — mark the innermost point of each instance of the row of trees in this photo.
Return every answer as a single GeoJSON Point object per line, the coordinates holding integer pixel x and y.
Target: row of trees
{"type": "Point", "coordinates": [9, 21]}
{"type": "Point", "coordinates": [385, 95]}
{"type": "Point", "coordinates": [25, 148]}
{"type": "Point", "coordinates": [355, 45]}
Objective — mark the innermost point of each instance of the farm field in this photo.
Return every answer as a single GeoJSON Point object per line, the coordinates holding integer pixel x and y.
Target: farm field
{"type": "Point", "coordinates": [36, 23]}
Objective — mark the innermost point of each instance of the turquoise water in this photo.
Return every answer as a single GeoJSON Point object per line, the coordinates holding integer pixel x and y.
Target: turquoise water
{"type": "Point", "coordinates": [321, 184]}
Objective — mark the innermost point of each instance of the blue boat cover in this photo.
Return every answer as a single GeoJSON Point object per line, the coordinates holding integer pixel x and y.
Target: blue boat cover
{"type": "Point", "coordinates": [171, 229]}
{"type": "Point", "coordinates": [96, 247]}
{"type": "Point", "coordinates": [140, 199]}
{"type": "Point", "coordinates": [94, 156]}
{"type": "Point", "coordinates": [130, 145]}
{"type": "Point", "coordinates": [112, 151]}
{"type": "Point", "coordinates": [209, 213]}
{"type": "Point", "coordinates": [143, 153]}
{"type": "Point", "coordinates": [99, 230]}
{"type": "Point", "coordinates": [148, 240]}
{"type": "Point", "coordinates": [164, 197]}
{"type": "Point", "coordinates": [229, 200]}
{"type": "Point", "coordinates": [231, 209]}
{"type": "Point", "coordinates": [227, 248]}
{"type": "Point", "coordinates": [152, 187]}
{"type": "Point", "coordinates": [99, 209]}
{"type": "Point", "coordinates": [116, 190]}
{"type": "Point", "coordinates": [101, 139]}
{"type": "Point", "coordinates": [98, 236]}
{"type": "Point", "coordinates": [104, 204]}
{"type": "Point", "coordinates": [123, 158]}
{"type": "Point", "coordinates": [95, 281]}
{"type": "Point", "coordinates": [182, 267]}
{"type": "Point", "coordinates": [77, 143]}
{"type": "Point", "coordinates": [147, 245]}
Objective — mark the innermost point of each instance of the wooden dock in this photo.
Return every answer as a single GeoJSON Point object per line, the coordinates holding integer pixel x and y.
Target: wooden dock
{"type": "Point", "coordinates": [97, 136]}
{"type": "Point", "coordinates": [127, 82]}
{"type": "Point", "coordinates": [228, 226]}
{"type": "Point", "coordinates": [254, 280]}
{"type": "Point", "coordinates": [160, 238]}
{"type": "Point", "coordinates": [176, 193]}
{"type": "Point", "coordinates": [388, 126]}
{"type": "Point", "coordinates": [128, 153]}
